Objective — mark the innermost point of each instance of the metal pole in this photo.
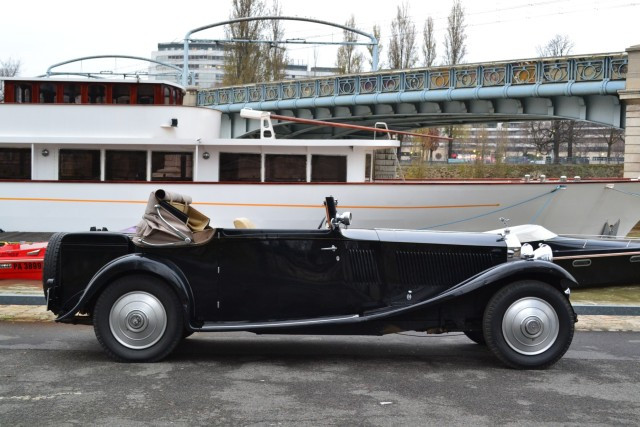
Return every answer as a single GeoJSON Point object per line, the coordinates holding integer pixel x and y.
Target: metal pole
{"type": "Point", "coordinates": [185, 60]}
{"type": "Point", "coordinates": [374, 57]}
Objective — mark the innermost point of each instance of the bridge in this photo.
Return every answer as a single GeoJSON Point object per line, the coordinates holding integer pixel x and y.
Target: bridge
{"type": "Point", "coordinates": [603, 88]}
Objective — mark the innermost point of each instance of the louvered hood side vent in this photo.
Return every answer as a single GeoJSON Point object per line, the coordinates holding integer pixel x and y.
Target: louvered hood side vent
{"type": "Point", "coordinates": [440, 268]}
{"type": "Point", "coordinates": [364, 268]}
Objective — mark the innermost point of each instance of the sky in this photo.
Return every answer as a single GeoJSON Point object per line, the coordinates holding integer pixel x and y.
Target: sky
{"type": "Point", "coordinates": [40, 33]}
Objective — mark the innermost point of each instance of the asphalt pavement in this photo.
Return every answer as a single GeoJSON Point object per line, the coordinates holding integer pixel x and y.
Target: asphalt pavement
{"type": "Point", "coordinates": [56, 374]}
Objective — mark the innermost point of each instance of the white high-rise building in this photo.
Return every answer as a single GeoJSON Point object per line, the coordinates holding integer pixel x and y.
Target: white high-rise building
{"type": "Point", "coordinates": [206, 63]}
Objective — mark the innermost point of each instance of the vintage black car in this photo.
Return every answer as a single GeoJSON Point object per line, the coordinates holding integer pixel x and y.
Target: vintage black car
{"type": "Point", "coordinates": [177, 275]}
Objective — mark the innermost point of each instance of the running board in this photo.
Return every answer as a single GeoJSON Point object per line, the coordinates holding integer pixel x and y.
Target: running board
{"type": "Point", "coordinates": [246, 326]}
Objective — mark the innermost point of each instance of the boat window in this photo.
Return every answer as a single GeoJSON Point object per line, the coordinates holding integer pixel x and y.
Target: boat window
{"type": "Point", "coordinates": [125, 165]}
{"type": "Point", "coordinates": [23, 93]}
{"type": "Point", "coordinates": [145, 94]}
{"type": "Point", "coordinates": [171, 166]}
{"type": "Point", "coordinates": [15, 163]}
{"type": "Point", "coordinates": [239, 167]}
{"type": "Point", "coordinates": [367, 167]}
{"type": "Point", "coordinates": [328, 168]}
{"type": "Point", "coordinates": [167, 95]}
{"type": "Point", "coordinates": [121, 94]}
{"type": "Point", "coordinates": [48, 93]}
{"type": "Point", "coordinates": [71, 94]}
{"type": "Point", "coordinates": [79, 165]}
{"type": "Point", "coordinates": [285, 168]}
{"type": "Point", "coordinates": [97, 94]}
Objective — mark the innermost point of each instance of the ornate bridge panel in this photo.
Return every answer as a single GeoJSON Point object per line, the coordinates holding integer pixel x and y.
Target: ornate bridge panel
{"type": "Point", "coordinates": [580, 87]}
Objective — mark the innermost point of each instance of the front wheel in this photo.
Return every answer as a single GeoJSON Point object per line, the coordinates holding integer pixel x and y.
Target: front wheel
{"type": "Point", "coordinates": [528, 325]}
{"type": "Point", "coordinates": [138, 319]}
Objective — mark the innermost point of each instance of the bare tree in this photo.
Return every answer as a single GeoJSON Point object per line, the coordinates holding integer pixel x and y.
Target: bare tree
{"type": "Point", "coordinates": [349, 60]}
{"type": "Point", "coordinates": [8, 68]}
{"type": "Point", "coordinates": [243, 61]}
{"type": "Point", "coordinates": [402, 48]}
{"type": "Point", "coordinates": [376, 33]}
{"type": "Point", "coordinates": [559, 45]}
{"type": "Point", "coordinates": [275, 54]}
{"type": "Point", "coordinates": [427, 143]}
{"type": "Point", "coordinates": [454, 41]}
{"type": "Point", "coordinates": [548, 136]}
{"type": "Point", "coordinates": [429, 46]}
{"type": "Point", "coordinates": [610, 136]}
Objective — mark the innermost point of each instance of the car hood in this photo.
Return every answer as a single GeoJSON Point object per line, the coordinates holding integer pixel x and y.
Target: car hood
{"type": "Point", "coordinates": [426, 236]}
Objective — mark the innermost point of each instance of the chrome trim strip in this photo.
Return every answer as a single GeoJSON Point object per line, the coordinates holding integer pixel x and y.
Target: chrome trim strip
{"type": "Point", "coordinates": [596, 255]}
{"type": "Point", "coordinates": [213, 327]}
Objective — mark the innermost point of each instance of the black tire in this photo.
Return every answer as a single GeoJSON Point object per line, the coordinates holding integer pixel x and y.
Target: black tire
{"type": "Point", "coordinates": [50, 264]}
{"type": "Point", "coordinates": [476, 336]}
{"type": "Point", "coordinates": [528, 325]}
{"type": "Point", "coordinates": [138, 319]}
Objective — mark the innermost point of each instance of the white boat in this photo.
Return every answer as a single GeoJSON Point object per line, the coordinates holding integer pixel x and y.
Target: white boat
{"type": "Point", "coordinates": [75, 154]}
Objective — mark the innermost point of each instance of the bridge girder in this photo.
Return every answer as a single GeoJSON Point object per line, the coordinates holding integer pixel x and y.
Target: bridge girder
{"type": "Point", "coordinates": [603, 109]}
{"type": "Point", "coordinates": [581, 87]}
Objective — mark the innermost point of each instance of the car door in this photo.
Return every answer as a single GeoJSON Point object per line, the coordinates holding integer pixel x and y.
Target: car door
{"type": "Point", "coordinates": [270, 275]}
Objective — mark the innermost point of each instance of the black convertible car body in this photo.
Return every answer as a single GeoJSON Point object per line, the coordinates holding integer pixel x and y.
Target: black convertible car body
{"type": "Point", "coordinates": [144, 293]}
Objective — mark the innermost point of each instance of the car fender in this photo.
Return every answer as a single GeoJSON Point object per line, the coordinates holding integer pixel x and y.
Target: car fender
{"type": "Point", "coordinates": [495, 276]}
{"type": "Point", "coordinates": [135, 264]}
{"type": "Point", "coordinates": [516, 270]}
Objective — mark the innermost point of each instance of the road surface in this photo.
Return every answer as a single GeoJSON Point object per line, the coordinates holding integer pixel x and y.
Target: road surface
{"type": "Point", "coordinates": [53, 374]}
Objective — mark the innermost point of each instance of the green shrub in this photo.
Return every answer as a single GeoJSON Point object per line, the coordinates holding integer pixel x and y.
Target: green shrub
{"type": "Point", "coordinates": [502, 170]}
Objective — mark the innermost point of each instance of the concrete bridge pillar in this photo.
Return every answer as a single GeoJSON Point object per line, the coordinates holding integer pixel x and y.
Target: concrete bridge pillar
{"type": "Point", "coordinates": [631, 97]}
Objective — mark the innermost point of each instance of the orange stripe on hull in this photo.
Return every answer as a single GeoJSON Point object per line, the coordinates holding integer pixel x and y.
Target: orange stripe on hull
{"type": "Point", "coordinates": [256, 205]}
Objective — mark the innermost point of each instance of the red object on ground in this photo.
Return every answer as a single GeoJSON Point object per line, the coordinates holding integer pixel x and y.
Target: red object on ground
{"type": "Point", "coordinates": [22, 260]}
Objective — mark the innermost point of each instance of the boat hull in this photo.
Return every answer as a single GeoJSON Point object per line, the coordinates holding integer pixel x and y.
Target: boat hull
{"type": "Point", "coordinates": [564, 207]}
{"type": "Point", "coordinates": [22, 261]}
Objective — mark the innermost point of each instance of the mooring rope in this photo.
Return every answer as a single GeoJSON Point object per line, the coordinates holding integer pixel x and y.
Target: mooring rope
{"type": "Point", "coordinates": [548, 193]}
{"type": "Point", "coordinates": [624, 192]}
{"type": "Point", "coordinates": [542, 208]}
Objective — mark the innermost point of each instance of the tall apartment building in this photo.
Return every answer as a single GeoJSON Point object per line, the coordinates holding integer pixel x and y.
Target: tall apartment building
{"type": "Point", "coordinates": [206, 62]}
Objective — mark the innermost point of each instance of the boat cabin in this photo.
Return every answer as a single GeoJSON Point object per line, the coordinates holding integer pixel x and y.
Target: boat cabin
{"type": "Point", "coordinates": [64, 91]}
{"type": "Point", "coordinates": [74, 130]}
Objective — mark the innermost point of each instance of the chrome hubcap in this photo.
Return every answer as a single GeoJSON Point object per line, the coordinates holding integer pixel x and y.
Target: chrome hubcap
{"type": "Point", "coordinates": [138, 320]}
{"type": "Point", "coordinates": [530, 326]}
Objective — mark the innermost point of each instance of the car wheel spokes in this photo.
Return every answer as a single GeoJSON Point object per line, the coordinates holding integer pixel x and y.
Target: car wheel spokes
{"type": "Point", "coordinates": [138, 320]}
{"type": "Point", "coordinates": [530, 326]}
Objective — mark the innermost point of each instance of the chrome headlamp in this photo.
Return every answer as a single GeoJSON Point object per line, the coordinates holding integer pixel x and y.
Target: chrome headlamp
{"type": "Point", "coordinates": [543, 252]}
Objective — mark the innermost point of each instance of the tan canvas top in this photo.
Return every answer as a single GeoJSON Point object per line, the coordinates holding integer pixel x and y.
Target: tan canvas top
{"type": "Point", "coordinates": [169, 219]}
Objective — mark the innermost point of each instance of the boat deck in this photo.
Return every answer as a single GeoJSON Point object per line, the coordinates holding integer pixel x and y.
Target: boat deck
{"type": "Point", "coordinates": [18, 236]}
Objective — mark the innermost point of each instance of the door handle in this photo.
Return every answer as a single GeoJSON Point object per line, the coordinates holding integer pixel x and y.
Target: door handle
{"type": "Point", "coordinates": [330, 248]}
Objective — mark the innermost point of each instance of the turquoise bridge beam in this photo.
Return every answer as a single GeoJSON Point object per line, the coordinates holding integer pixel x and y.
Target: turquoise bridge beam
{"type": "Point", "coordinates": [584, 87]}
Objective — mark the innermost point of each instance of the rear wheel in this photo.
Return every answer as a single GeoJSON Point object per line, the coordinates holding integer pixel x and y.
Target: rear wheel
{"type": "Point", "coordinates": [528, 325]}
{"type": "Point", "coordinates": [138, 319]}
{"type": "Point", "coordinates": [50, 264]}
